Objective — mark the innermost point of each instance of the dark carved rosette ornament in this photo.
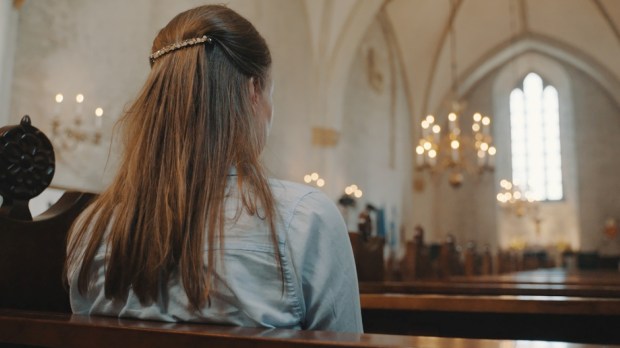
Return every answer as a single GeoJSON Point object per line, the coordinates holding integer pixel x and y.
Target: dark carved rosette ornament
{"type": "Point", "coordinates": [27, 164]}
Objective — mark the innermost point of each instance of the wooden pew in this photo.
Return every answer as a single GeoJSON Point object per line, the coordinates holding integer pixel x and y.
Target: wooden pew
{"type": "Point", "coordinates": [542, 282]}
{"type": "Point", "coordinates": [572, 319]}
{"type": "Point", "coordinates": [32, 251]}
{"type": "Point", "coordinates": [507, 304]}
{"type": "Point", "coordinates": [550, 276]}
{"type": "Point", "coordinates": [369, 261]}
{"type": "Point", "coordinates": [490, 288]}
{"type": "Point", "coordinates": [63, 330]}
{"type": "Point", "coordinates": [445, 260]}
{"type": "Point", "coordinates": [542, 304]}
{"type": "Point", "coordinates": [32, 255]}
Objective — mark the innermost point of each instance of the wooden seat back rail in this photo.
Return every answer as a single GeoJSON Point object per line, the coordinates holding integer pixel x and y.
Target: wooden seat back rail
{"type": "Point", "coordinates": [507, 304]}
{"type": "Point", "coordinates": [549, 276]}
{"type": "Point", "coordinates": [472, 288]}
{"type": "Point", "coordinates": [42, 329]}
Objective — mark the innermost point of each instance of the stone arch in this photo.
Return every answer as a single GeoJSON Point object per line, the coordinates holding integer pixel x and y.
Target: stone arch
{"type": "Point", "coordinates": [546, 46]}
{"type": "Point", "coordinates": [339, 63]}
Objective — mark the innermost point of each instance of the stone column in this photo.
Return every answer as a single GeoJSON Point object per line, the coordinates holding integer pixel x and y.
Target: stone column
{"type": "Point", "coordinates": [8, 38]}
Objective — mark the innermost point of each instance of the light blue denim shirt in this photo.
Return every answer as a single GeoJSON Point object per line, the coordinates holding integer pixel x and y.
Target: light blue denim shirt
{"type": "Point", "coordinates": [320, 289]}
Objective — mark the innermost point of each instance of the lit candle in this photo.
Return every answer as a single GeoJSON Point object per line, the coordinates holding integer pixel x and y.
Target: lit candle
{"type": "Point", "coordinates": [425, 128]}
{"type": "Point", "coordinates": [436, 130]}
{"type": "Point", "coordinates": [432, 157]}
{"type": "Point", "coordinates": [481, 157]}
{"type": "Point", "coordinates": [452, 121]}
{"type": "Point", "coordinates": [486, 121]}
{"type": "Point", "coordinates": [420, 155]}
{"type": "Point", "coordinates": [79, 99]}
{"type": "Point", "coordinates": [59, 97]}
{"type": "Point", "coordinates": [492, 152]}
{"type": "Point", "coordinates": [98, 117]}
{"type": "Point", "coordinates": [455, 150]}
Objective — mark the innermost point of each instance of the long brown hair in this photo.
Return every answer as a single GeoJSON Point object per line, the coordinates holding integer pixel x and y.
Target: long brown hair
{"type": "Point", "coordinates": [191, 123]}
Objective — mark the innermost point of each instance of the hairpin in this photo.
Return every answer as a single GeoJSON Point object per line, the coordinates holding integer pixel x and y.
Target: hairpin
{"type": "Point", "coordinates": [179, 45]}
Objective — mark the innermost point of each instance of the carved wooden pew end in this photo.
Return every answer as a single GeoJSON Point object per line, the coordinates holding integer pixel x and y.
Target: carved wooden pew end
{"type": "Point", "coordinates": [32, 252]}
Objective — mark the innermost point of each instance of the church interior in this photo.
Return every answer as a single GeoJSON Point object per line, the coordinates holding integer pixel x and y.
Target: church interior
{"type": "Point", "coordinates": [462, 141]}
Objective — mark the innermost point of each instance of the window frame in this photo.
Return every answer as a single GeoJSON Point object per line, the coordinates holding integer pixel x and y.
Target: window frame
{"type": "Point", "coordinates": [526, 143]}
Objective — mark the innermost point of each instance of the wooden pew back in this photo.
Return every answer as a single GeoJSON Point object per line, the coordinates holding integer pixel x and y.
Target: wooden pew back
{"type": "Point", "coordinates": [32, 255]}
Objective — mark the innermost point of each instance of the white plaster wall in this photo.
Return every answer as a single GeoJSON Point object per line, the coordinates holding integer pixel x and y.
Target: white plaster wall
{"type": "Point", "coordinates": [597, 126]}
{"type": "Point", "coordinates": [365, 147]}
{"type": "Point", "coordinates": [100, 49]}
{"type": "Point", "coordinates": [8, 34]}
{"type": "Point", "coordinates": [88, 47]}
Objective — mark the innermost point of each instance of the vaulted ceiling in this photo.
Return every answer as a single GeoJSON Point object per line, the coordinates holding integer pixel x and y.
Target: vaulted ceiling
{"type": "Point", "coordinates": [586, 29]}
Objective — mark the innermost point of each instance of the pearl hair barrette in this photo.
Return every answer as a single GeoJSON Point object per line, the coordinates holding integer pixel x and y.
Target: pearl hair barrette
{"type": "Point", "coordinates": [179, 45]}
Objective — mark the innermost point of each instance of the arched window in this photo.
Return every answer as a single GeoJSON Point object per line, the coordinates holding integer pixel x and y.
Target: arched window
{"type": "Point", "coordinates": [535, 139]}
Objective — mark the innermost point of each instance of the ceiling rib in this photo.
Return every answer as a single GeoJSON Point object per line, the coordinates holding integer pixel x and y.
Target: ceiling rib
{"type": "Point", "coordinates": [603, 12]}
{"type": "Point", "coordinates": [438, 49]}
{"type": "Point", "coordinates": [523, 15]}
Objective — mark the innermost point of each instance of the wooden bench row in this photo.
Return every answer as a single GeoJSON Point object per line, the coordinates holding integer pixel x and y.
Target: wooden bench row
{"type": "Point", "coordinates": [543, 282]}
{"type": "Point", "coordinates": [484, 288]}
{"type": "Point", "coordinates": [39, 329]}
{"type": "Point", "coordinates": [534, 305]}
{"type": "Point", "coordinates": [437, 261]}
{"type": "Point", "coordinates": [588, 320]}
{"type": "Point", "coordinates": [581, 306]}
{"type": "Point", "coordinates": [550, 276]}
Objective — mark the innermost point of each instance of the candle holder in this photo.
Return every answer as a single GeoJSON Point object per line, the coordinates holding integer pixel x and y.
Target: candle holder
{"type": "Point", "coordinates": [517, 201]}
{"type": "Point", "coordinates": [314, 179]}
{"type": "Point", "coordinates": [68, 136]}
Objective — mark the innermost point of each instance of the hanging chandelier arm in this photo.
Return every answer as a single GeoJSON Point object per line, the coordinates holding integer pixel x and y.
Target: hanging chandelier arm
{"type": "Point", "coordinates": [453, 62]}
{"type": "Point", "coordinates": [437, 53]}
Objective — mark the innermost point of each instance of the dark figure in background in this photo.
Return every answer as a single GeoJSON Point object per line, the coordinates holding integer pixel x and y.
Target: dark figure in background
{"type": "Point", "coordinates": [364, 222]}
{"type": "Point", "coordinates": [418, 235]}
